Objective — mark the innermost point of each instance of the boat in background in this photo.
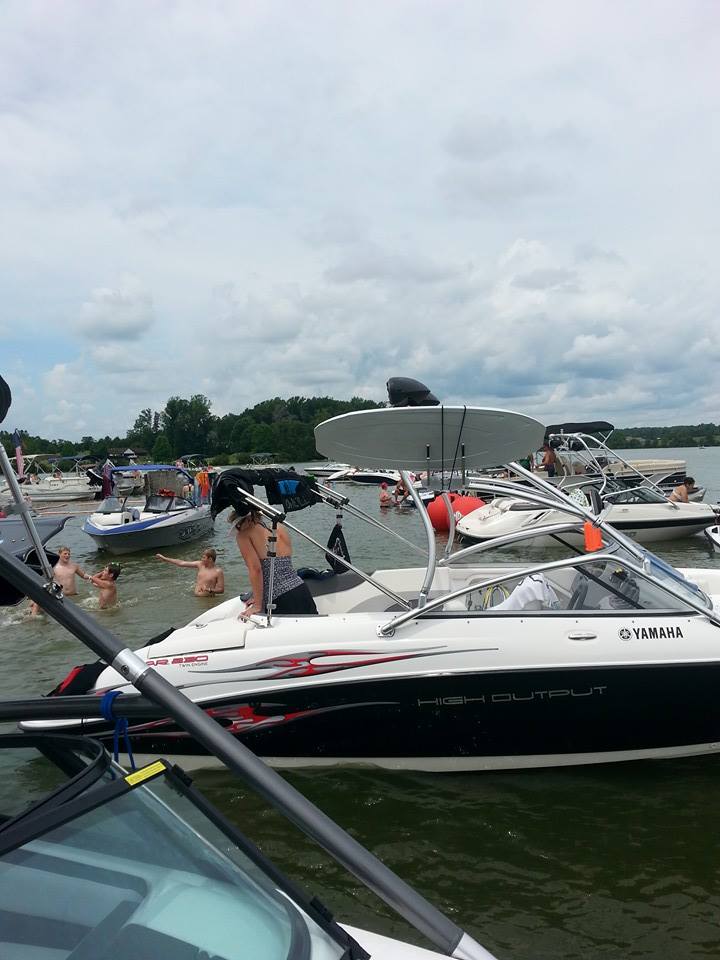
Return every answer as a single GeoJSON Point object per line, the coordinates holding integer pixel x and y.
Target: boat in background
{"type": "Point", "coordinates": [43, 485]}
{"type": "Point", "coordinates": [170, 516]}
{"type": "Point", "coordinates": [325, 469]}
{"type": "Point", "coordinates": [363, 475]}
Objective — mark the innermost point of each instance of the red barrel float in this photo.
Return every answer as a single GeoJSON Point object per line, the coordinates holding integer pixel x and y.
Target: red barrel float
{"type": "Point", "coordinates": [437, 511]}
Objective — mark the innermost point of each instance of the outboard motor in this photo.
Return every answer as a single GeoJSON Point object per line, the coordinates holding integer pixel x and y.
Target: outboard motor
{"type": "Point", "coordinates": [406, 392]}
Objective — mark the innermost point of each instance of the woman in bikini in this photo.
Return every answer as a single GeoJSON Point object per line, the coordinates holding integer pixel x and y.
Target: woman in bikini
{"type": "Point", "coordinates": [290, 593]}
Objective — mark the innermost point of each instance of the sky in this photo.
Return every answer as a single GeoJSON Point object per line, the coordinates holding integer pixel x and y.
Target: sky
{"type": "Point", "coordinates": [514, 203]}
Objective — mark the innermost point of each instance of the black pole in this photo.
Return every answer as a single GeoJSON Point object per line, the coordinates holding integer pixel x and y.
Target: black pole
{"type": "Point", "coordinates": [411, 905]}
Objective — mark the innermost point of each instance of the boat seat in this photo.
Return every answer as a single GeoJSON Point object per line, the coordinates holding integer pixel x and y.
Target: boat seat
{"type": "Point", "coordinates": [325, 585]}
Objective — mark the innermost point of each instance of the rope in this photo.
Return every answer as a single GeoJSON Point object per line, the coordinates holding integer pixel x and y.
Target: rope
{"type": "Point", "coordinates": [457, 446]}
{"type": "Point", "coordinates": [121, 726]}
{"type": "Point", "coordinates": [442, 447]}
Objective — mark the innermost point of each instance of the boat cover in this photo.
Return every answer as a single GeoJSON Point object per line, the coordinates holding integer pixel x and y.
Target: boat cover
{"type": "Point", "coordinates": [592, 426]}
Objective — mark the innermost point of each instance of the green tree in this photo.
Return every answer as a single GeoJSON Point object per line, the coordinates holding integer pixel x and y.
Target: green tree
{"type": "Point", "coordinates": [161, 451]}
{"type": "Point", "coordinates": [144, 431]}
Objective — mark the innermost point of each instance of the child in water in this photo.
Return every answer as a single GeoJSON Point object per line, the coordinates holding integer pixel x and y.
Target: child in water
{"type": "Point", "coordinates": [210, 580]}
{"type": "Point", "coordinates": [105, 583]}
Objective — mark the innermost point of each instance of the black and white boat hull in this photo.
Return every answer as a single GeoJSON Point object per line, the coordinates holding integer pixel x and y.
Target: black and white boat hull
{"type": "Point", "coordinates": [521, 692]}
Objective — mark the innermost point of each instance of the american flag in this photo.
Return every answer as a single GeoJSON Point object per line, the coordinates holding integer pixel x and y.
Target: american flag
{"type": "Point", "coordinates": [17, 440]}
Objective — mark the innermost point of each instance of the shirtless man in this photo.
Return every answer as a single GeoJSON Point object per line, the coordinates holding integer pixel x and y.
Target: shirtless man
{"type": "Point", "coordinates": [549, 460]}
{"type": "Point", "coordinates": [105, 582]}
{"type": "Point", "coordinates": [64, 573]}
{"type": "Point", "coordinates": [210, 580]}
{"type": "Point", "coordinates": [681, 493]}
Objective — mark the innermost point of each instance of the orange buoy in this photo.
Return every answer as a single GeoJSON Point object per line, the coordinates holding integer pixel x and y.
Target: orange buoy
{"type": "Point", "coordinates": [593, 537]}
{"type": "Point", "coordinates": [437, 511]}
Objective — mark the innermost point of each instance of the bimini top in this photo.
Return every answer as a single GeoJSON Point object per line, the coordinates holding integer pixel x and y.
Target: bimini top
{"type": "Point", "coordinates": [399, 437]}
{"type": "Point", "coordinates": [592, 426]}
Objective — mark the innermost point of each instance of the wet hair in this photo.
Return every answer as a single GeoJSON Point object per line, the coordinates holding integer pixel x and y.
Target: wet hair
{"type": "Point", "coordinates": [210, 552]}
{"type": "Point", "coordinates": [689, 481]}
{"type": "Point", "coordinates": [114, 570]}
{"type": "Point", "coordinates": [63, 547]}
{"type": "Point", "coordinates": [383, 486]}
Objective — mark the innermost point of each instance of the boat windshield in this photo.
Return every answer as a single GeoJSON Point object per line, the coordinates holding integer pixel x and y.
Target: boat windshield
{"type": "Point", "coordinates": [110, 505]}
{"type": "Point", "coordinates": [148, 873]}
{"type": "Point", "coordinates": [674, 579]}
{"type": "Point", "coordinates": [634, 495]}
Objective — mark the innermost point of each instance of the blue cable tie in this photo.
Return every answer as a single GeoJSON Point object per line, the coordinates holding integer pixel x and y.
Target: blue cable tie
{"type": "Point", "coordinates": [120, 728]}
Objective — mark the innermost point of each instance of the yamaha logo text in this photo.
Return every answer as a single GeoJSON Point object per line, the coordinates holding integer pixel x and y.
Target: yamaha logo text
{"type": "Point", "coordinates": [651, 633]}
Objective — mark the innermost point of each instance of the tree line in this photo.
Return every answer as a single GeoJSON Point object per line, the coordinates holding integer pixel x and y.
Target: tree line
{"type": "Point", "coordinates": [695, 435]}
{"type": "Point", "coordinates": [281, 428]}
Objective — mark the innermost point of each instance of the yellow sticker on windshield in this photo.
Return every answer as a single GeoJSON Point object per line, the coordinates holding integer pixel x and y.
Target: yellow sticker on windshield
{"type": "Point", "coordinates": [145, 773]}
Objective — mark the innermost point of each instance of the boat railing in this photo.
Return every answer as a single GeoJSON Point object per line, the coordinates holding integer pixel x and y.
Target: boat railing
{"type": "Point", "coordinates": [388, 629]}
{"type": "Point", "coordinates": [551, 530]}
{"type": "Point", "coordinates": [583, 438]}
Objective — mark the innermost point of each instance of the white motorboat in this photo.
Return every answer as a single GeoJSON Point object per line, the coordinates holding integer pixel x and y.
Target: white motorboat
{"type": "Point", "coordinates": [452, 666]}
{"type": "Point", "coordinates": [46, 486]}
{"type": "Point", "coordinates": [362, 475]}
{"type": "Point", "coordinates": [167, 519]}
{"type": "Point", "coordinates": [326, 469]}
{"type": "Point", "coordinates": [641, 513]}
{"type": "Point", "coordinates": [130, 865]}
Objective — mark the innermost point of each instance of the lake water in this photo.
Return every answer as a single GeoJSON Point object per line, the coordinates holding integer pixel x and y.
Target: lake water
{"type": "Point", "coordinates": [594, 863]}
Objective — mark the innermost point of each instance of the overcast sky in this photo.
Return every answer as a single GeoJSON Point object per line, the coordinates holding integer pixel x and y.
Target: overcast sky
{"type": "Point", "coordinates": [514, 202]}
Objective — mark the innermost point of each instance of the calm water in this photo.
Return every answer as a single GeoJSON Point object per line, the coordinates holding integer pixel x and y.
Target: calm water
{"type": "Point", "coordinates": [597, 862]}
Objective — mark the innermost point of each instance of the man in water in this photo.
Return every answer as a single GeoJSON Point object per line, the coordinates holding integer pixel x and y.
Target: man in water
{"type": "Point", "coordinates": [210, 579]}
{"type": "Point", "coordinates": [64, 573]}
{"type": "Point", "coordinates": [105, 582]}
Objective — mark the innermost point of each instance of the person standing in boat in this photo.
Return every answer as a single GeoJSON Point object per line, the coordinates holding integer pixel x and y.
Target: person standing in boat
{"type": "Point", "coordinates": [203, 482]}
{"type": "Point", "coordinates": [549, 460]}
{"type": "Point", "coordinates": [290, 593]}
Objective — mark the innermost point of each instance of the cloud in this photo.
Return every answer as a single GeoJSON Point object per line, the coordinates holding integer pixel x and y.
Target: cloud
{"type": "Point", "coordinates": [373, 263]}
{"type": "Point", "coordinates": [588, 251]}
{"type": "Point", "coordinates": [504, 202]}
{"type": "Point", "coordinates": [544, 279]}
{"type": "Point", "coordinates": [119, 358]}
{"type": "Point", "coordinates": [121, 313]}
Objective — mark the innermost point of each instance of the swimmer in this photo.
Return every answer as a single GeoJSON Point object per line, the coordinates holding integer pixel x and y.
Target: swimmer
{"type": "Point", "coordinates": [64, 573]}
{"type": "Point", "coordinates": [105, 582]}
{"type": "Point", "coordinates": [210, 580]}
{"type": "Point", "coordinates": [385, 496]}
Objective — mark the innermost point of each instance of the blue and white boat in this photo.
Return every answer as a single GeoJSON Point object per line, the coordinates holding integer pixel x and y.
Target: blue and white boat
{"type": "Point", "coordinates": [167, 519]}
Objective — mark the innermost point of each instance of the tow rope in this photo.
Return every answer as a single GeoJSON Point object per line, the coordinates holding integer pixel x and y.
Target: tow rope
{"type": "Point", "coordinates": [121, 726]}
